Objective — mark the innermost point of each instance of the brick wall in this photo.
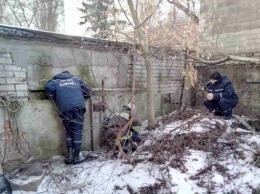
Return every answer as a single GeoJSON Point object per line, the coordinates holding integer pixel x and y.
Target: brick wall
{"type": "Point", "coordinates": [230, 26]}
{"type": "Point", "coordinates": [13, 80]}
{"type": "Point", "coordinates": [168, 77]}
{"type": "Point", "coordinates": [246, 81]}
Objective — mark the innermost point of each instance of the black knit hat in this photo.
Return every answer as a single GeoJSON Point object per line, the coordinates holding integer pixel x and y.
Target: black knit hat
{"type": "Point", "coordinates": [216, 76]}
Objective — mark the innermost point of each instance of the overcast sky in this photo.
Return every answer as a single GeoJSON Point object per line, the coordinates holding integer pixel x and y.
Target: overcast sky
{"type": "Point", "coordinates": [72, 18]}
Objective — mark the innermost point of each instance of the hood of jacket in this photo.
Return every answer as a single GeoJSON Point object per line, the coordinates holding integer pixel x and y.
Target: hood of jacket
{"type": "Point", "coordinates": [63, 75]}
{"type": "Point", "coordinates": [223, 80]}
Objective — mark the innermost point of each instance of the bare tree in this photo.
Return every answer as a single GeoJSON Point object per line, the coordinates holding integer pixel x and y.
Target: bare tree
{"type": "Point", "coordinates": [47, 14]}
{"type": "Point", "coordinates": [148, 63]}
{"type": "Point", "coordinates": [186, 9]}
{"type": "Point", "coordinates": [2, 8]}
{"type": "Point", "coordinates": [40, 14]}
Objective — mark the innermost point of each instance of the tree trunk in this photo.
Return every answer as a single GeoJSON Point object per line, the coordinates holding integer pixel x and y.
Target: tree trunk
{"type": "Point", "coordinates": [186, 10]}
{"type": "Point", "coordinates": [149, 66]}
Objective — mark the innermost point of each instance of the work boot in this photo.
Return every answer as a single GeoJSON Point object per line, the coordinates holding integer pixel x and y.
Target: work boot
{"type": "Point", "coordinates": [78, 159]}
{"type": "Point", "coordinates": [228, 115]}
{"type": "Point", "coordinates": [137, 138]}
{"type": "Point", "coordinates": [134, 146]}
{"type": "Point", "coordinates": [218, 113]}
{"type": "Point", "coordinates": [69, 157]}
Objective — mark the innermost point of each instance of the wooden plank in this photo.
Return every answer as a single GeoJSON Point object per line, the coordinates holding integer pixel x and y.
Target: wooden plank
{"type": "Point", "coordinates": [243, 122]}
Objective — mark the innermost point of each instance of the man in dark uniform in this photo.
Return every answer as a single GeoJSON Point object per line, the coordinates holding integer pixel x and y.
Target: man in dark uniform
{"type": "Point", "coordinates": [117, 121]}
{"type": "Point", "coordinates": [221, 96]}
{"type": "Point", "coordinates": [68, 92]}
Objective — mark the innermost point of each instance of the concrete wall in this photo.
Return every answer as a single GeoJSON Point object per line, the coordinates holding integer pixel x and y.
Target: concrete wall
{"type": "Point", "coordinates": [168, 73]}
{"type": "Point", "coordinates": [246, 81]}
{"type": "Point", "coordinates": [28, 59]}
{"type": "Point", "coordinates": [230, 26]}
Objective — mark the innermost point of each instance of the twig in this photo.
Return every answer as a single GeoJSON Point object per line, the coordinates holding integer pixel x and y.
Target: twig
{"type": "Point", "coordinates": [118, 139]}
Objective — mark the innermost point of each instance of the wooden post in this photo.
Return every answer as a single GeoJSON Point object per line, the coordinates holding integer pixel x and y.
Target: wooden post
{"type": "Point", "coordinates": [1, 169]}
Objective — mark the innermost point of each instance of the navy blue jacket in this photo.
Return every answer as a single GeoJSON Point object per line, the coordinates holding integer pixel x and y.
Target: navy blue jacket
{"type": "Point", "coordinates": [67, 91]}
{"type": "Point", "coordinates": [221, 89]}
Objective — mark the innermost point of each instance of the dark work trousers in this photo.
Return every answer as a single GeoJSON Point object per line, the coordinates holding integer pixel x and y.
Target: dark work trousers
{"type": "Point", "coordinates": [73, 123]}
{"type": "Point", "coordinates": [223, 105]}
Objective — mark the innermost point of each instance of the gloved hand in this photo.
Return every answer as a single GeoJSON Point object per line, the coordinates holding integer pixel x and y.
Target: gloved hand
{"type": "Point", "coordinates": [210, 96]}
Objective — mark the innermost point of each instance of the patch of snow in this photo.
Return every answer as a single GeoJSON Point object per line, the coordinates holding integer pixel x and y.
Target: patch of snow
{"type": "Point", "coordinates": [231, 169]}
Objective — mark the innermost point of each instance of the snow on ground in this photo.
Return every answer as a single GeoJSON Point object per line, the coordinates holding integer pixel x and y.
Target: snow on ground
{"type": "Point", "coordinates": [227, 160]}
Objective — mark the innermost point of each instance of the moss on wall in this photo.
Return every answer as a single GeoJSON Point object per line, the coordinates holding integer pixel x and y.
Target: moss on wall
{"type": "Point", "coordinates": [84, 74]}
{"type": "Point", "coordinates": [40, 76]}
{"type": "Point", "coordinates": [45, 75]}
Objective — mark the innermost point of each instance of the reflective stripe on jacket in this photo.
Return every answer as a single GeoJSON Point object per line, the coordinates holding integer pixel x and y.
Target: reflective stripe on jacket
{"type": "Point", "coordinates": [221, 89]}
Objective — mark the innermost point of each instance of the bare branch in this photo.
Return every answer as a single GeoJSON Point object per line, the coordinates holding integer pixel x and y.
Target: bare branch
{"type": "Point", "coordinates": [215, 62]}
{"type": "Point", "coordinates": [188, 12]}
{"type": "Point", "coordinates": [13, 11]}
{"type": "Point", "coordinates": [119, 136]}
{"type": "Point", "coordinates": [149, 15]}
{"type": "Point", "coordinates": [125, 14]}
{"type": "Point", "coordinates": [227, 58]}
{"type": "Point", "coordinates": [244, 59]}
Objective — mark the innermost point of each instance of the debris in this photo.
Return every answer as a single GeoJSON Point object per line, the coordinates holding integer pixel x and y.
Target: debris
{"type": "Point", "coordinates": [242, 121]}
{"type": "Point", "coordinates": [195, 153]}
{"type": "Point", "coordinates": [31, 184]}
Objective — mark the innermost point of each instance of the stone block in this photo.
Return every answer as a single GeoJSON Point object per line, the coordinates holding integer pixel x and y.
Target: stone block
{"type": "Point", "coordinates": [244, 102]}
{"type": "Point", "coordinates": [5, 55]}
{"type": "Point", "coordinates": [23, 99]}
{"type": "Point", "coordinates": [5, 88]}
{"type": "Point", "coordinates": [255, 96]}
{"type": "Point", "coordinates": [244, 32]}
{"type": "Point", "coordinates": [255, 31]}
{"type": "Point", "coordinates": [15, 80]}
{"type": "Point", "coordinates": [246, 111]}
{"type": "Point", "coordinates": [255, 87]}
{"type": "Point", "coordinates": [21, 87]}
{"type": "Point", "coordinates": [11, 93]}
{"type": "Point", "coordinates": [12, 68]}
{"type": "Point", "coordinates": [246, 94]}
{"type": "Point", "coordinates": [254, 104]}
{"type": "Point", "coordinates": [1, 67]}
{"type": "Point", "coordinates": [20, 74]}
{"type": "Point", "coordinates": [6, 74]}
{"type": "Point", "coordinates": [5, 60]}
{"type": "Point", "coordinates": [22, 94]}
{"type": "Point", "coordinates": [246, 17]}
{"type": "Point", "coordinates": [24, 69]}
{"type": "Point", "coordinates": [238, 110]}
{"type": "Point", "coordinates": [255, 111]}
{"type": "Point", "coordinates": [2, 80]}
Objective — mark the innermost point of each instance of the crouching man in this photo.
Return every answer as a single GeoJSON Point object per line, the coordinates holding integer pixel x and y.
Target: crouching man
{"type": "Point", "coordinates": [221, 96]}
{"type": "Point", "coordinates": [117, 121]}
{"type": "Point", "coordinates": [68, 93]}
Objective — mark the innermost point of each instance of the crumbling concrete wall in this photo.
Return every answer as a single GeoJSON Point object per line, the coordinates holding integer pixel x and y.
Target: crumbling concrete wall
{"type": "Point", "coordinates": [28, 59]}
{"type": "Point", "coordinates": [12, 77]}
